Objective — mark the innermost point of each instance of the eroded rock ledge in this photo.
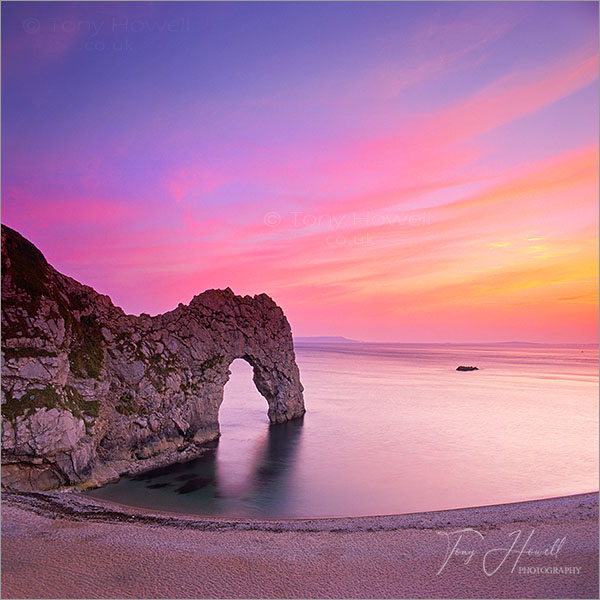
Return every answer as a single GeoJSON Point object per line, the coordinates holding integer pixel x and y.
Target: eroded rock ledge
{"type": "Point", "coordinates": [89, 393]}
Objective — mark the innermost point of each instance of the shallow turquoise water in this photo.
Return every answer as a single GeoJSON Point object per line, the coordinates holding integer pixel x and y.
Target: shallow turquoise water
{"type": "Point", "coordinates": [394, 429]}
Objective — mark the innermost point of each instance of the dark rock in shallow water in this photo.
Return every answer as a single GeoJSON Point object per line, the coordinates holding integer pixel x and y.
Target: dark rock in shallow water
{"type": "Point", "coordinates": [89, 392]}
{"type": "Point", "coordinates": [463, 368]}
{"type": "Point", "coordinates": [193, 485]}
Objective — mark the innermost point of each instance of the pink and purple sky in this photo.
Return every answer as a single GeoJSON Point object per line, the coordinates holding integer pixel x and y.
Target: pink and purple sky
{"type": "Point", "coordinates": [417, 172]}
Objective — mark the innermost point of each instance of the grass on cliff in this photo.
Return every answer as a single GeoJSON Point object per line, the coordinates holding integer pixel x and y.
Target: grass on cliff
{"type": "Point", "coordinates": [48, 397]}
{"type": "Point", "coordinates": [128, 407]}
{"type": "Point", "coordinates": [32, 400]}
{"type": "Point", "coordinates": [77, 404]}
{"type": "Point", "coordinates": [125, 406]}
{"type": "Point", "coordinates": [211, 363]}
{"type": "Point", "coordinates": [87, 353]}
{"type": "Point", "coordinates": [10, 353]}
{"type": "Point", "coordinates": [27, 264]}
{"type": "Point", "coordinates": [28, 269]}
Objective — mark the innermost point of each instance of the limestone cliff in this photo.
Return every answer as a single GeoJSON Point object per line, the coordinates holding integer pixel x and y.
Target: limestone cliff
{"type": "Point", "coordinates": [89, 392]}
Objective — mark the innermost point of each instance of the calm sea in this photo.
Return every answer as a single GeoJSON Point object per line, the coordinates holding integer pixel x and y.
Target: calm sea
{"type": "Point", "coordinates": [394, 428]}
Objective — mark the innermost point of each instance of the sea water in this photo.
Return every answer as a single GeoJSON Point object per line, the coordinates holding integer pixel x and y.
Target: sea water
{"type": "Point", "coordinates": [394, 428]}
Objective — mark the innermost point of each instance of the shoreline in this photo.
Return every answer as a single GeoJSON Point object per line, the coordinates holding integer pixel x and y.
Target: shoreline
{"type": "Point", "coordinates": [78, 506]}
{"type": "Point", "coordinates": [67, 545]}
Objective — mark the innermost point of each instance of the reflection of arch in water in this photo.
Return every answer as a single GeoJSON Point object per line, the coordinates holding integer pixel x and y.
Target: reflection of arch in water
{"type": "Point", "coordinates": [268, 483]}
{"type": "Point", "coordinates": [278, 452]}
{"type": "Point", "coordinates": [253, 460]}
{"type": "Point", "coordinates": [275, 464]}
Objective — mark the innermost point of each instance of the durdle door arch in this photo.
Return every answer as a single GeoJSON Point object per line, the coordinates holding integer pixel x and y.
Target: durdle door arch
{"type": "Point", "coordinates": [89, 393]}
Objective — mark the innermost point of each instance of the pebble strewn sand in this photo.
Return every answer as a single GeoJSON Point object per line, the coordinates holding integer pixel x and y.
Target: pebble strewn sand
{"type": "Point", "coordinates": [105, 551]}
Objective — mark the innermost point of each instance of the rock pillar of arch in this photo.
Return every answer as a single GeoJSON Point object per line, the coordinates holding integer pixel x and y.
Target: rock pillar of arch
{"type": "Point", "coordinates": [253, 329]}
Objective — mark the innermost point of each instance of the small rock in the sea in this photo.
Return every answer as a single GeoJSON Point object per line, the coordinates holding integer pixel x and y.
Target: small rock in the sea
{"type": "Point", "coordinates": [463, 368]}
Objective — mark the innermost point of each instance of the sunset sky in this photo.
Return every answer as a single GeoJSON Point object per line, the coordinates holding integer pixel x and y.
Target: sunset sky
{"type": "Point", "coordinates": [417, 172]}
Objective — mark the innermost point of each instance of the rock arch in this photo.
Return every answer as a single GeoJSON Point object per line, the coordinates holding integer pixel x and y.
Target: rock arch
{"type": "Point", "coordinates": [89, 392]}
{"type": "Point", "coordinates": [218, 328]}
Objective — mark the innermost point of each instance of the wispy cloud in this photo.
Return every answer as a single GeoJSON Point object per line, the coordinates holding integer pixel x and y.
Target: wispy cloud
{"type": "Point", "coordinates": [380, 192]}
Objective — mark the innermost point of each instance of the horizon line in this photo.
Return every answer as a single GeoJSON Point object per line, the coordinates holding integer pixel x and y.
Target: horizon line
{"type": "Point", "coordinates": [341, 339]}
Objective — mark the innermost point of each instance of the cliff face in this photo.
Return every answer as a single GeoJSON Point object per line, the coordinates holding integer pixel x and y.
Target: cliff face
{"type": "Point", "coordinates": [89, 392]}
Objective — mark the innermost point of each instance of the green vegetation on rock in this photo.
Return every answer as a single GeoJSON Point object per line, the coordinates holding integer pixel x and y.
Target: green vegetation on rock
{"type": "Point", "coordinates": [33, 399]}
{"type": "Point", "coordinates": [10, 353]}
{"type": "Point", "coordinates": [26, 265]}
{"type": "Point", "coordinates": [87, 350]}
{"type": "Point", "coordinates": [48, 397]}
{"type": "Point", "coordinates": [159, 368]}
{"type": "Point", "coordinates": [211, 363]}
{"type": "Point", "coordinates": [78, 405]}
{"type": "Point", "coordinates": [128, 407]}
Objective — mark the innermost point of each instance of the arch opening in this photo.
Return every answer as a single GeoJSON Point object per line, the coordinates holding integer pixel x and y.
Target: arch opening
{"type": "Point", "coordinates": [254, 455]}
{"type": "Point", "coordinates": [244, 426]}
{"type": "Point", "coordinates": [243, 402]}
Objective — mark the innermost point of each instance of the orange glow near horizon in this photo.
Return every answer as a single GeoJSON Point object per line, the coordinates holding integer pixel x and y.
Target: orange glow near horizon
{"type": "Point", "coordinates": [433, 178]}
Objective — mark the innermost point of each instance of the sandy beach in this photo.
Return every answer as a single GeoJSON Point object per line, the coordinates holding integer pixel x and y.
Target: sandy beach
{"type": "Point", "coordinates": [63, 545]}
